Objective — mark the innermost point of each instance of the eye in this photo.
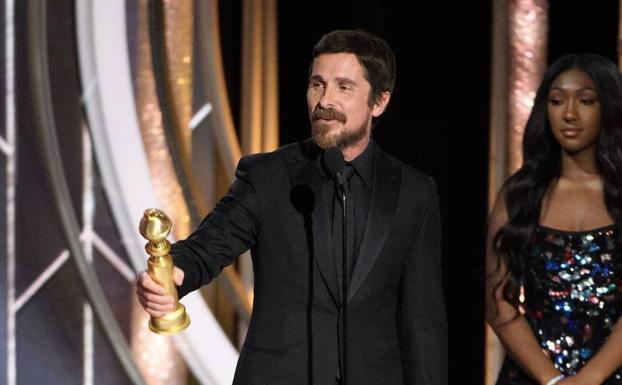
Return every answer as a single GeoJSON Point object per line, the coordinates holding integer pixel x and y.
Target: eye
{"type": "Point", "coordinates": [346, 86]}
{"type": "Point", "coordinates": [556, 101]}
{"type": "Point", "coordinates": [316, 85]}
{"type": "Point", "coordinates": [588, 101]}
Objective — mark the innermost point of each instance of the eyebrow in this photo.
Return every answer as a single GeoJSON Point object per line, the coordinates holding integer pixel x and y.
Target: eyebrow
{"type": "Point", "coordinates": [346, 80]}
{"type": "Point", "coordinates": [338, 79]}
{"type": "Point", "coordinates": [588, 88]}
{"type": "Point", "coordinates": [316, 78]}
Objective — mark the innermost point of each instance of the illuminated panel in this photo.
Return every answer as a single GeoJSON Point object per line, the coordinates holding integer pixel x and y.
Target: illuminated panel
{"type": "Point", "coordinates": [156, 355]}
{"type": "Point", "coordinates": [179, 36]}
{"type": "Point", "coordinates": [259, 113]}
{"type": "Point", "coordinates": [9, 156]}
{"type": "Point", "coordinates": [528, 29]}
{"type": "Point", "coordinates": [163, 177]}
{"type": "Point", "coordinates": [519, 60]}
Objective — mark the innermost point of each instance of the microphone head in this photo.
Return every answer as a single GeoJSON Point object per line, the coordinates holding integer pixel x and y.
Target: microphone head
{"type": "Point", "coordinates": [333, 161]}
{"type": "Point", "coordinates": [303, 199]}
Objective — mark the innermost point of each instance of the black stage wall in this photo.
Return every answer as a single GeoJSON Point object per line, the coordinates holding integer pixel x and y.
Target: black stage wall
{"type": "Point", "coordinates": [437, 121]}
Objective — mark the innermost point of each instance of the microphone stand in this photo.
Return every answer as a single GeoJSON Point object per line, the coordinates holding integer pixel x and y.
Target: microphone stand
{"type": "Point", "coordinates": [334, 164]}
{"type": "Point", "coordinates": [344, 283]}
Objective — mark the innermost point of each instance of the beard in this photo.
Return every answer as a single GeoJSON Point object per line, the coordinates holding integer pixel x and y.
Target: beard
{"type": "Point", "coordinates": [324, 137]}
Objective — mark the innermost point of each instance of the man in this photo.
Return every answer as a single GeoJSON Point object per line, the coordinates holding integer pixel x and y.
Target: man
{"type": "Point", "coordinates": [284, 206]}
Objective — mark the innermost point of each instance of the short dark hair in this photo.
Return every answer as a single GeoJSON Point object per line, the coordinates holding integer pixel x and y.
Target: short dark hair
{"type": "Point", "coordinates": [372, 52]}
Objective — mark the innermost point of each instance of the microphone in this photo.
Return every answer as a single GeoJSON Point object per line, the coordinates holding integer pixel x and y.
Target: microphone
{"type": "Point", "coordinates": [334, 164]}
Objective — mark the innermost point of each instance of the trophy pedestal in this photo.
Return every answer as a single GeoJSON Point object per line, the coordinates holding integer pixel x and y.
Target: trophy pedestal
{"type": "Point", "coordinates": [171, 323]}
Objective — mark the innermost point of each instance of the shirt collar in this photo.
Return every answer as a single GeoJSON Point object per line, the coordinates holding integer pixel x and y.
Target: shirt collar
{"type": "Point", "coordinates": [364, 164]}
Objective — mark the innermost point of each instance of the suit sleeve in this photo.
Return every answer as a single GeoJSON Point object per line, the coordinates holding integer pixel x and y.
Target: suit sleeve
{"type": "Point", "coordinates": [422, 306]}
{"type": "Point", "coordinates": [225, 233]}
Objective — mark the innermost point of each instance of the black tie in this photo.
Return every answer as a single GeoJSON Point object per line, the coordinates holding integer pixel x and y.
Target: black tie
{"type": "Point", "coordinates": [338, 242]}
{"type": "Point", "coordinates": [350, 226]}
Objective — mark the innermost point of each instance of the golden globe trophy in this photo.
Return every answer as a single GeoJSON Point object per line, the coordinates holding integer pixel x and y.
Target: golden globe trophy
{"type": "Point", "coordinates": [155, 226]}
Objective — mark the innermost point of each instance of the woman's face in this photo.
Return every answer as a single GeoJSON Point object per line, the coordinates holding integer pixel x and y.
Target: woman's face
{"type": "Point", "coordinates": [573, 110]}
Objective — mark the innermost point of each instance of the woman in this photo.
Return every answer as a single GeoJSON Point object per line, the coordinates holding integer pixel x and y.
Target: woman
{"type": "Point", "coordinates": [554, 278]}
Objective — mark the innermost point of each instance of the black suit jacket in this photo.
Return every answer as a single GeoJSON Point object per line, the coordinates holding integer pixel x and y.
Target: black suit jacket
{"type": "Point", "coordinates": [396, 316]}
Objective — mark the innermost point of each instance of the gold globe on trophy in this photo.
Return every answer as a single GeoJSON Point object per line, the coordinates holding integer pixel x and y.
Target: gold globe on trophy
{"type": "Point", "coordinates": [155, 226]}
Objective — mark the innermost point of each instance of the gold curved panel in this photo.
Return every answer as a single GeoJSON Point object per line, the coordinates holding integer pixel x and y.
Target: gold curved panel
{"type": "Point", "coordinates": [156, 355]}
{"type": "Point", "coordinates": [528, 32]}
{"type": "Point", "coordinates": [165, 183]}
{"type": "Point", "coordinates": [178, 17]}
{"type": "Point", "coordinates": [519, 61]}
{"type": "Point", "coordinates": [259, 113]}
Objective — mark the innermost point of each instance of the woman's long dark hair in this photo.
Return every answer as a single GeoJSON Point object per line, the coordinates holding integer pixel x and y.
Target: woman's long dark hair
{"type": "Point", "coordinates": [524, 190]}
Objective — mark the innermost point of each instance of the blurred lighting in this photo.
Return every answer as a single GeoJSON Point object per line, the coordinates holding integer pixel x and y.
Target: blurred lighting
{"type": "Point", "coordinates": [528, 31]}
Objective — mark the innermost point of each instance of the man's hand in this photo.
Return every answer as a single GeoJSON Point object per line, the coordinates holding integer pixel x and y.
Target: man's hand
{"type": "Point", "coordinates": [152, 296]}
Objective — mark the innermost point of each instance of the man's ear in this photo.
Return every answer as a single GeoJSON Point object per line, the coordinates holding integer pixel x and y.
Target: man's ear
{"type": "Point", "coordinates": [381, 104]}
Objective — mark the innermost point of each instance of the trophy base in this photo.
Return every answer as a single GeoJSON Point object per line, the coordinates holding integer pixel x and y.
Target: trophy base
{"type": "Point", "coordinates": [171, 323]}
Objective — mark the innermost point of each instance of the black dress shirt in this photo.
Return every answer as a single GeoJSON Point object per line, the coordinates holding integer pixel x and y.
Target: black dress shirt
{"type": "Point", "coordinates": [361, 187]}
{"type": "Point", "coordinates": [359, 178]}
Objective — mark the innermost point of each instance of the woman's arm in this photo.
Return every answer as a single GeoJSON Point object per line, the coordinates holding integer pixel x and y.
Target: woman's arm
{"type": "Point", "coordinates": [510, 326]}
{"type": "Point", "coordinates": [605, 362]}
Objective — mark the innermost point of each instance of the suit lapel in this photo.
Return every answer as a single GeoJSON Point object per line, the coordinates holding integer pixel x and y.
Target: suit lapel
{"type": "Point", "coordinates": [308, 180]}
{"type": "Point", "coordinates": [383, 201]}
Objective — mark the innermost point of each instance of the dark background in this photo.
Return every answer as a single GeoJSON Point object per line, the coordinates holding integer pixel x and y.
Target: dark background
{"type": "Point", "coordinates": [438, 117]}
{"type": "Point", "coordinates": [437, 121]}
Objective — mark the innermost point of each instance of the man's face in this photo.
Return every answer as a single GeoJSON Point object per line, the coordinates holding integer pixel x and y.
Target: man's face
{"type": "Point", "coordinates": [338, 101]}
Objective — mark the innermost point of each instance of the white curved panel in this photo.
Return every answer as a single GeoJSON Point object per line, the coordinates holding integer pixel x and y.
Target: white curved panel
{"type": "Point", "coordinates": [110, 107]}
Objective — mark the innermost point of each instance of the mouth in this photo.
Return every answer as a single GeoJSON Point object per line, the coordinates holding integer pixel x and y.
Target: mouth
{"type": "Point", "coordinates": [324, 120]}
{"type": "Point", "coordinates": [571, 132]}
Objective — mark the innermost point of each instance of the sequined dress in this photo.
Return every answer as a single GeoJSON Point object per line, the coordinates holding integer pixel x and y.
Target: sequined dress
{"type": "Point", "coordinates": [572, 299]}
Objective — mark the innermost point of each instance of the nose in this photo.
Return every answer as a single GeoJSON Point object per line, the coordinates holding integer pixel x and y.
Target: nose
{"type": "Point", "coordinates": [327, 99]}
{"type": "Point", "coordinates": [570, 111]}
